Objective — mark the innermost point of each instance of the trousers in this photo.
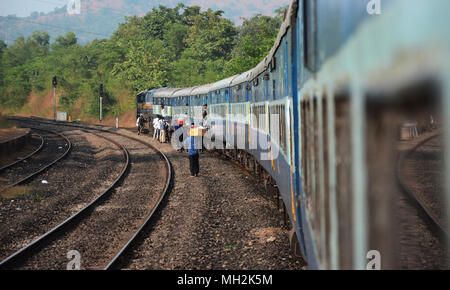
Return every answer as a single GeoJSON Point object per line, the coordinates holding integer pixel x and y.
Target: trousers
{"type": "Point", "coordinates": [162, 138]}
{"type": "Point", "coordinates": [194, 165]}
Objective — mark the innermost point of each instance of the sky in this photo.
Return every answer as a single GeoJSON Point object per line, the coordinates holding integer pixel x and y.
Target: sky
{"type": "Point", "coordinates": [24, 8]}
{"type": "Point", "coordinates": [239, 8]}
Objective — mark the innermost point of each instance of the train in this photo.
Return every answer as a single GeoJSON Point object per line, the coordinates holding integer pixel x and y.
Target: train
{"type": "Point", "coordinates": [340, 78]}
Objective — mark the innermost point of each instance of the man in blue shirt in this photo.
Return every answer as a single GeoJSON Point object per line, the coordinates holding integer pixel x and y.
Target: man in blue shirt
{"type": "Point", "coordinates": [192, 148]}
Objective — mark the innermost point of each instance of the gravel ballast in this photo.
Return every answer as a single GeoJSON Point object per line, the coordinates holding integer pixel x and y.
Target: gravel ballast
{"type": "Point", "coordinates": [72, 183]}
{"type": "Point", "coordinates": [221, 220]}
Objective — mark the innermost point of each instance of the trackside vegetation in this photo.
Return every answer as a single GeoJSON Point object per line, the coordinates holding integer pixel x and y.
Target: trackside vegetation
{"type": "Point", "coordinates": [180, 46]}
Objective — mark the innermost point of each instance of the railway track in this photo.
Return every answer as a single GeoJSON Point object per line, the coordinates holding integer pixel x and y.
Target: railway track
{"type": "Point", "coordinates": [26, 157]}
{"type": "Point", "coordinates": [84, 217]}
{"type": "Point", "coordinates": [28, 171]}
{"type": "Point", "coordinates": [419, 202]}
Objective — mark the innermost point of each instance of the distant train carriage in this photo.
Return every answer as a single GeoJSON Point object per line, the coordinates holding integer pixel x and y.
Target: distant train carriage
{"type": "Point", "coordinates": [219, 107]}
{"type": "Point", "coordinates": [181, 98]}
{"type": "Point", "coordinates": [199, 98]}
{"type": "Point", "coordinates": [162, 99]}
{"type": "Point", "coordinates": [140, 102]}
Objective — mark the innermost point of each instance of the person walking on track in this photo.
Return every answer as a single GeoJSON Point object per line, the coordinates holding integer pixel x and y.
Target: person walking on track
{"type": "Point", "coordinates": [140, 124]}
{"type": "Point", "coordinates": [192, 149]}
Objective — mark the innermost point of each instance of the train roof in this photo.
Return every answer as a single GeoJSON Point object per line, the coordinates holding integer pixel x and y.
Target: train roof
{"type": "Point", "coordinates": [142, 93]}
{"type": "Point", "coordinates": [182, 92]}
{"type": "Point", "coordinates": [222, 83]}
{"type": "Point", "coordinates": [165, 93]}
{"type": "Point", "coordinates": [260, 68]}
{"type": "Point", "coordinates": [236, 79]}
{"type": "Point", "coordinates": [153, 91]}
{"type": "Point", "coordinates": [283, 29]}
{"type": "Point", "coordinates": [243, 77]}
{"type": "Point", "coordinates": [201, 90]}
{"type": "Point", "coordinates": [250, 74]}
{"type": "Point", "coordinates": [263, 64]}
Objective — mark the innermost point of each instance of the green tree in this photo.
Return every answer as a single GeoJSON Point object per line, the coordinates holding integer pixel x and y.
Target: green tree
{"type": "Point", "coordinates": [65, 41]}
{"type": "Point", "coordinates": [210, 36]}
{"type": "Point", "coordinates": [2, 49]}
{"type": "Point", "coordinates": [180, 46]}
{"type": "Point", "coordinates": [145, 66]}
{"type": "Point", "coordinates": [255, 39]}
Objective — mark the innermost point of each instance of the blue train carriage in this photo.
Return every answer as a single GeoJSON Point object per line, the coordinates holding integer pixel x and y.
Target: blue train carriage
{"type": "Point", "coordinates": [273, 111]}
{"type": "Point", "coordinates": [199, 98]}
{"type": "Point", "coordinates": [242, 103]}
{"type": "Point", "coordinates": [276, 93]}
{"type": "Point", "coordinates": [182, 98]}
{"type": "Point", "coordinates": [263, 99]}
{"type": "Point", "coordinates": [324, 159]}
{"type": "Point", "coordinates": [240, 107]}
{"type": "Point", "coordinates": [149, 101]}
{"type": "Point", "coordinates": [177, 107]}
{"type": "Point", "coordinates": [331, 78]}
{"type": "Point", "coordinates": [220, 96]}
{"type": "Point", "coordinates": [355, 77]}
{"type": "Point", "coordinates": [162, 98]}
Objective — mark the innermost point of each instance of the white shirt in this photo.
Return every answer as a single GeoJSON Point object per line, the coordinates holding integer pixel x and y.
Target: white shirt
{"type": "Point", "coordinates": [156, 123]}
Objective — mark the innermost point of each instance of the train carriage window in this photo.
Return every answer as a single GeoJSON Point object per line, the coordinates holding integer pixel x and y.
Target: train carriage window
{"type": "Point", "coordinates": [240, 112]}
{"type": "Point", "coordinates": [260, 95]}
{"type": "Point", "coordinates": [286, 67]}
{"type": "Point", "coordinates": [239, 94]}
{"type": "Point", "coordinates": [274, 89]}
{"type": "Point", "coordinates": [280, 71]}
{"type": "Point", "coordinates": [310, 33]}
{"type": "Point", "coordinates": [260, 113]}
{"type": "Point", "coordinates": [279, 112]}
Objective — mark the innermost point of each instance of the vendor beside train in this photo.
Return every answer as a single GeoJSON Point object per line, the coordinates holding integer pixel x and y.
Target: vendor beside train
{"type": "Point", "coordinates": [164, 127]}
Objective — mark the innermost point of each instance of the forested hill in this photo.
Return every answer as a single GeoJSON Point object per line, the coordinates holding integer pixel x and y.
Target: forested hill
{"type": "Point", "coordinates": [181, 46]}
{"type": "Point", "coordinates": [96, 19]}
{"type": "Point", "coordinates": [100, 18]}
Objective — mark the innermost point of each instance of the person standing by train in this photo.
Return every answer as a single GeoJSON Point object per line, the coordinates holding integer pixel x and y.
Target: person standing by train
{"type": "Point", "coordinates": [162, 134]}
{"type": "Point", "coordinates": [179, 126]}
{"type": "Point", "coordinates": [140, 124]}
{"type": "Point", "coordinates": [204, 126]}
{"type": "Point", "coordinates": [192, 149]}
{"type": "Point", "coordinates": [156, 128]}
